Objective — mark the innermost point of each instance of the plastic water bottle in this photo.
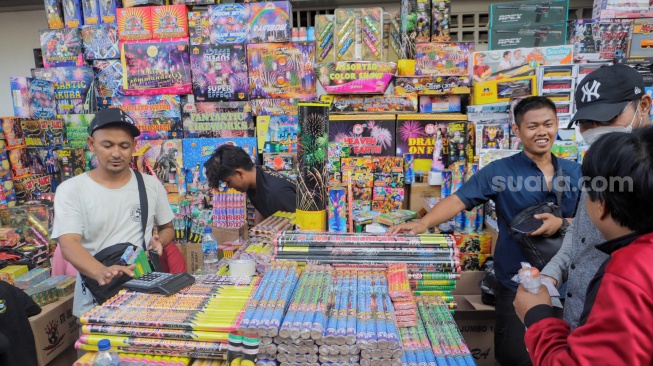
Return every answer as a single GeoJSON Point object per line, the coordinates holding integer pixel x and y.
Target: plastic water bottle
{"type": "Point", "coordinates": [105, 356]}
{"type": "Point", "coordinates": [210, 250]}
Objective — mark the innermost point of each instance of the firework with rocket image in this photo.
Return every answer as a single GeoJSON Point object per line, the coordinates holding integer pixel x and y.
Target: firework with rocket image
{"type": "Point", "coordinates": [365, 134]}
{"type": "Point", "coordinates": [219, 73]}
{"type": "Point", "coordinates": [61, 47]}
{"type": "Point", "coordinates": [156, 67]}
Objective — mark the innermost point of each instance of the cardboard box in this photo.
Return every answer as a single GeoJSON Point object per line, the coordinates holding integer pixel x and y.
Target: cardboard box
{"type": "Point", "coordinates": [419, 192]}
{"type": "Point", "coordinates": [223, 234]}
{"type": "Point", "coordinates": [55, 330]}
{"type": "Point", "coordinates": [496, 91]}
{"type": "Point", "coordinates": [476, 323]}
{"type": "Point", "coordinates": [194, 256]}
{"type": "Point", "coordinates": [528, 12]}
{"type": "Point", "coordinates": [10, 273]}
{"type": "Point", "coordinates": [508, 38]}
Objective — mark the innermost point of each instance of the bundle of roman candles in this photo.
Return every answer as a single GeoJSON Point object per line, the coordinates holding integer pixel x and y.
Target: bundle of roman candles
{"type": "Point", "coordinates": [194, 322]}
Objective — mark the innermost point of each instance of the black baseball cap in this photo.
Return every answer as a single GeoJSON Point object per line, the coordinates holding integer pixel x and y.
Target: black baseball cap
{"type": "Point", "coordinates": [112, 117]}
{"type": "Point", "coordinates": [604, 93]}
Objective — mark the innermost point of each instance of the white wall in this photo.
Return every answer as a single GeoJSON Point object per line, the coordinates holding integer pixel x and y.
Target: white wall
{"type": "Point", "coordinates": [19, 35]}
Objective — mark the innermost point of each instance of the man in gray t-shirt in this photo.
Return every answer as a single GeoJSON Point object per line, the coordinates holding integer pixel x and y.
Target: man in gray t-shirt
{"type": "Point", "coordinates": [101, 208]}
{"type": "Point", "coordinates": [610, 99]}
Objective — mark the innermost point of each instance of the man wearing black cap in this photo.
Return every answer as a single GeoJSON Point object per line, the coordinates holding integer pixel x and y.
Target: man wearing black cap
{"type": "Point", "coordinates": [610, 99]}
{"type": "Point", "coordinates": [101, 208]}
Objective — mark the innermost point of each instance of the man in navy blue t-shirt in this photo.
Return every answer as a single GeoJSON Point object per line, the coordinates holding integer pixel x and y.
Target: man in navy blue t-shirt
{"type": "Point", "coordinates": [514, 184]}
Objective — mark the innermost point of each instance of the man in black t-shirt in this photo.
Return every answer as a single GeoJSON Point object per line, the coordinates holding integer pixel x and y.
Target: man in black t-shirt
{"type": "Point", "coordinates": [268, 190]}
{"type": "Point", "coordinates": [16, 339]}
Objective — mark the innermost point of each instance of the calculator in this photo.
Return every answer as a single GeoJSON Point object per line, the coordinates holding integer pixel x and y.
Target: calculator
{"type": "Point", "coordinates": [159, 282]}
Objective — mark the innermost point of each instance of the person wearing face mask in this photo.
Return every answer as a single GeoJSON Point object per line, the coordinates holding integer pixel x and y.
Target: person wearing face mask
{"type": "Point", "coordinates": [610, 99]}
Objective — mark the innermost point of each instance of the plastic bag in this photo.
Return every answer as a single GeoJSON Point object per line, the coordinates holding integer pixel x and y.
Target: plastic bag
{"type": "Point", "coordinates": [488, 283]}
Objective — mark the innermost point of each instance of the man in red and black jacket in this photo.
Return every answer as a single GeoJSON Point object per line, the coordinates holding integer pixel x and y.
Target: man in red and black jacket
{"type": "Point", "coordinates": [615, 326]}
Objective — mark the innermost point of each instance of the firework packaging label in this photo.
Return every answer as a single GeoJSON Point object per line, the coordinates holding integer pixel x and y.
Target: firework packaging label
{"type": "Point", "coordinates": [134, 23]}
{"type": "Point", "coordinates": [508, 38]}
{"type": "Point", "coordinates": [100, 41]}
{"type": "Point", "coordinates": [270, 22]}
{"type": "Point", "coordinates": [19, 162]}
{"type": "Point", "coordinates": [198, 150]}
{"type": "Point", "coordinates": [487, 65]}
{"type": "Point", "coordinates": [281, 70]}
{"type": "Point", "coordinates": [325, 36]}
{"type": "Point", "coordinates": [198, 27]}
{"type": "Point", "coordinates": [229, 23]}
{"type": "Point", "coordinates": [108, 78]}
{"type": "Point", "coordinates": [13, 134]}
{"type": "Point", "coordinates": [70, 163]}
{"type": "Point", "coordinates": [337, 210]}
{"type": "Point", "coordinates": [43, 132]}
{"type": "Point", "coordinates": [76, 128]}
{"type": "Point", "coordinates": [392, 33]}
{"type": "Point", "coordinates": [440, 103]}
{"type": "Point", "coordinates": [441, 19]}
{"type": "Point", "coordinates": [32, 98]}
{"type": "Point", "coordinates": [355, 77]}
{"type": "Point", "coordinates": [443, 58]}
{"type": "Point", "coordinates": [61, 47]}
{"type": "Point", "coordinates": [72, 13]}
{"type": "Point", "coordinates": [457, 131]}
{"type": "Point", "coordinates": [365, 134]}
{"type": "Point", "coordinates": [157, 117]}
{"type": "Point", "coordinates": [162, 159]}
{"type": "Point", "coordinates": [108, 11]}
{"type": "Point", "coordinates": [156, 67]}
{"type": "Point", "coordinates": [274, 107]}
{"type": "Point", "coordinates": [432, 85]}
{"type": "Point", "coordinates": [70, 85]}
{"type": "Point", "coordinates": [281, 133]}
{"type": "Point", "coordinates": [91, 12]}
{"type": "Point", "coordinates": [219, 73]}
{"type": "Point", "coordinates": [54, 14]}
{"type": "Point", "coordinates": [405, 103]}
{"type": "Point", "coordinates": [210, 119]}
{"type": "Point", "coordinates": [169, 21]}
{"type": "Point", "coordinates": [33, 188]}
{"type": "Point", "coordinates": [313, 138]}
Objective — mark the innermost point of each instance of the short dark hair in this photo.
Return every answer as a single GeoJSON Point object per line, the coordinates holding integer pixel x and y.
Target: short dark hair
{"type": "Point", "coordinates": [531, 103]}
{"type": "Point", "coordinates": [506, 53]}
{"type": "Point", "coordinates": [224, 162]}
{"type": "Point", "coordinates": [629, 156]}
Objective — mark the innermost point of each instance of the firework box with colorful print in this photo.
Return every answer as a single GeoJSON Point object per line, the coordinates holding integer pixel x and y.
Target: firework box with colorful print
{"type": "Point", "coordinates": [396, 103]}
{"type": "Point", "coordinates": [108, 79]}
{"type": "Point", "coordinates": [599, 40]}
{"type": "Point", "coordinates": [31, 278]}
{"type": "Point", "coordinates": [502, 90]}
{"type": "Point", "coordinates": [493, 135]}
{"type": "Point", "coordinates": [530, 12]}
{"type": "Point", "coordinates": [32, 98]}
{"type": "Point", "coordinates": [325, 36]}
{"type": "Point", "coordinates": [365, 134]}
{"type": "Point", "coordinates": [72, 13]}
{"type": "Point", "coordinates": [108, 11]}
{"type": "Point", "coordinates": [100, 41]}
{"type": "Point", "coordinates": [156, 67]}
{"type": "Point", "coordinates": [229, 23]}
{"type": "Point", "coordinates": [270, 22]}
{"type": "Point", "coordinates": [281, 70]}
{"type": "Point", "coordinates": [440, 103]}
{"type": "Point", "coordinates": [507, 38]}
{"type": "Point", "coordinates": [91, 12]}
{"type": "Point", "coordinates": [13, 134]}
{"type": "Point", "coordinates": [371, 34]}
{"type": "Point", "coordinates": [422, 134]}
{"type": "Point", "coordinates": [641, 41]}
{"type": "Point", "coordinates": [443, 58]}
{"type": "Point", "coordinates": [492, 65]}
{"type": "Point", "coordinates": [281, 134]}
{"type": "Point", "coordinates": [134, 23]}
{"type": "Point", "coordinates": [170, 21]}
{"type": "Point", "coordinates": [61, 47]}
{"type": "Point", "coordinates": [432, 85]}
{"type": "Point", "coordinates": [157, 117]}
{"type": "Point", "coordinates": [76, 128]}
{"type": "Point", "coordinates": [10, 273]}
{"type": "Point", "coordinates": [55, 330]}
{"type": "Point", "coordinates": [42, 132]}
{"type": "Point", "coordinates": [133, 3]}
{"type": "Point", "coordinates": [54, 14]}
{"type": "Point", "coordinates": [565, 149]}
{"type": "Point", "coordinates": [162, 159]}
{"type": "Point", "coordinates": [358, 77]}
{"type": "Point", "coordinates": [219, 73]}
{"type": "Point", "coordinates": [198, 27]}
{"type": "Point", "coordinates": [441, 19]}
{"type": "Point", "coordinates": [211, 119]}
{"type": "Point", "coordinates": [198, 150]}
{"type": "Point", "coordinates": [70, 85]}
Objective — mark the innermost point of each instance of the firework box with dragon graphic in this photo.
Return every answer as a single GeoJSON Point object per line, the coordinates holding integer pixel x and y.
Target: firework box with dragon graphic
{"type": "Point", "coordinates": [355, 77]}
{"type": "Point", "coordinates": [55, 329]}
{"type": "Point", "coordinates": [421, 134]}
{"type": "Point", "coordinates": [443, 58]}
{"type": "Point", "coordinates": [367, 135]}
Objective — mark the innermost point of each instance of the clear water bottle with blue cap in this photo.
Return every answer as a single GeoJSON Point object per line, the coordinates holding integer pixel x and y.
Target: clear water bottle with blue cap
{"type": "Point", "coordinates": [105, 356]}
{"type": "Point", "coordinates": [210, 250]}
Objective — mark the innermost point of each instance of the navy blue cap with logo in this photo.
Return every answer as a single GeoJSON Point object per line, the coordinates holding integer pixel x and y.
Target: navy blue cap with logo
{"type": "Point", "coordinates": [604, 93]}
{"type": "Point", "coordinates": [112, 117]}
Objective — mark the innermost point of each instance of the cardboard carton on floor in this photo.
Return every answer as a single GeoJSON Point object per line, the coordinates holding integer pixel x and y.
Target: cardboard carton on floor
{"type": "Point", "coordinates": [476, 323]}
{"type": "Point", "coordinates": [55, 329]}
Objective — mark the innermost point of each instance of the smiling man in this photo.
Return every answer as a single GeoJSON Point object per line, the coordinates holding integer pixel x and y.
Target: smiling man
{"type": "Point", "coordinates": [509, 183]}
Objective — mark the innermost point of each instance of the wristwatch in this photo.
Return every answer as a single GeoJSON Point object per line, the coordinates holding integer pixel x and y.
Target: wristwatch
{"type": "Point", "coordinates": [564, 227]}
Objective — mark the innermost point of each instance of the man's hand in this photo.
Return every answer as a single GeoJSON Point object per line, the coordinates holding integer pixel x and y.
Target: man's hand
{"type": "Point", "coordinates": [107, 274]}
{"type": "Point", "coordinates": [550, 226]}
{"type": "Point", "coordinates": [156, 244]}
{"type": "Point", "coordinates": [525, 301]}
{"type": "Point", "coordinates": [408, 227]}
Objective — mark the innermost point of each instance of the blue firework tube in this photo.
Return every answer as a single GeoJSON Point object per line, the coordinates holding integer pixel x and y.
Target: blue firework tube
{"type": "Point", "coordinates": [326, 40]}
{"type": "Point", "coordinates": [319, 323]}
{"type": "Point", "coordinates": [381, 331]}
{"type": "Point", "coordinates": [360, 316]}
{"type": "Point", "coordinates": [391, 327]}
{"type": "Point", "coordinates": [351, 309]}
{"type": "Point", "coordinates": [344, 48]}
{"type": "Point", "coordinates": [371, 324]}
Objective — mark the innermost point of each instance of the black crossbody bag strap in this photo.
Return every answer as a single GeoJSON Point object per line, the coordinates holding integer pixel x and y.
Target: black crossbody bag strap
{"type": "Point", "coordinates": [142, 196]}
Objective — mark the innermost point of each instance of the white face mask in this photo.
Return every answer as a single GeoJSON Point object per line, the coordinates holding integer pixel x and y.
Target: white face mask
{"type": "Point", "coordinates": [590, 136]}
